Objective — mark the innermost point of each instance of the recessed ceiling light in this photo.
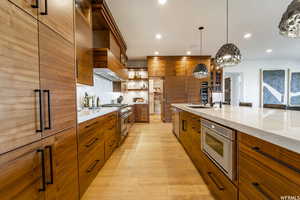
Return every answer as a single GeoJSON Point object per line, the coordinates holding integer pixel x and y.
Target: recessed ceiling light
{"type": "Point", "coordinates": [269, 50]}
{"type": "Point", "coordinates": [158, 36]}
{"type": "Point", "coordinates": [156, 53]}
{"type": "Point", "coordinates": [162, 2]}
{"type": "Point", "coordinates": [247, 35]}
{"type": "Point", "coordinates": [188, 53]}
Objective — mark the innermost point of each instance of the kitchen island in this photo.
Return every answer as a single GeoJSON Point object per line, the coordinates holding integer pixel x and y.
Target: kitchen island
{"type": "Point", "coordinates": [241, 152]}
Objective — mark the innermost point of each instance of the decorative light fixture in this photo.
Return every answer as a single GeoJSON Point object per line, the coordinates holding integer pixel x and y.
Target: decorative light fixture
{"type": "Point", "coordinates": [229, 54]}
{"type": "Point", "coordinates": [200, 70]}
{"type": "Point", "coordinates": [289, 25]}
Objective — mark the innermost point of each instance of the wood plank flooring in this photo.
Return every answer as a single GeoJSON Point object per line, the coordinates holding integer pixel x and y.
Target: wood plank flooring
{"type": "Point", "coordinates": [150, 165]}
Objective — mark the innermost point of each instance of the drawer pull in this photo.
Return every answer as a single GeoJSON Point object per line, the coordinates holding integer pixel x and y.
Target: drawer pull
{"type": "Point", "coordinates": [260, 190]}
{"type": "Point", "coordinates": [212, 177]}
{"type": "Point", "coordinates": [257, 149]}
{"type": "Point", "coordinates": [88, 126]}
{"type": "Point", "coordinates": [91, 168]}
{"type": "Point", "coordinates": [92, 141]}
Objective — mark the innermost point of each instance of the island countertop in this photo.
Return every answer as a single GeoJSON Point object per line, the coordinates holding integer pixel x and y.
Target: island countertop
{"type": "Point", "coordinates": [280, 127]}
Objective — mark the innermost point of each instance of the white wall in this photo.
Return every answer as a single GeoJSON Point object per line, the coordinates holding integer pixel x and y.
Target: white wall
{"type": "Point", "coordinates": [102, 88]}
{"type": "Point", "coordinates": [250, 71]}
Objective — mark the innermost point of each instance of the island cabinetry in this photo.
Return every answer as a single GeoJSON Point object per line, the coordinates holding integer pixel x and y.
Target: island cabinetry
{"type": "Point", "coordinates": [141, 112]}
{"type": "Point", "coordinates": [97, 139]}
{"type": "Point", "coordinates": [266, 171]}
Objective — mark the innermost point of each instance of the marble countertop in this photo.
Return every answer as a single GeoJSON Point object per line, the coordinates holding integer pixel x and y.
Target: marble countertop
{"type": "Point", "coordinates": [280, 127]}
{"type": "Point", "coordinates": [86, 114]}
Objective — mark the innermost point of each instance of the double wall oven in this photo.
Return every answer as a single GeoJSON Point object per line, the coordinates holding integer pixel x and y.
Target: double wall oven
{"type": "Point", "coordinates": [219, 144]}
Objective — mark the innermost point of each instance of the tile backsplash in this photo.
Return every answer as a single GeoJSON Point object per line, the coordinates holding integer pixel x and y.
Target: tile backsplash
{"type": "Point", "coordinates": [102, 88]}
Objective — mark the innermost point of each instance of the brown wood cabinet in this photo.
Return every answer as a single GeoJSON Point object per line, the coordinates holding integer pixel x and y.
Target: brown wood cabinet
{"type": "Point", "coordinates": [84, 47]}
{"type": "Point", "coordinates": [29, 6]}
{"type": "Point", "coordinates": [58, 15]}
{"type": "Point", "coordinates": [57, 74]}
{"type": "Point", "coordinates": [21, 173]}
{"type": "Point", "coordinates": [141, 112]}
{"type": "Point", "coordinates": [19, 67]}
{"type": "Point", "coordinates": [97, 139]}
{"type": "Point", "coordinates": [266, 171]}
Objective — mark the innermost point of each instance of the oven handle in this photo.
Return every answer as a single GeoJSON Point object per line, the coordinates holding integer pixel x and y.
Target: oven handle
{"type": "Point", "coordinates": [212, 177]}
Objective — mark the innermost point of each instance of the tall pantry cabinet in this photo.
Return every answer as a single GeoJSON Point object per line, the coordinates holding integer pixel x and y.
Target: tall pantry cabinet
{"type": "Point", "coordinates": [38, 145]}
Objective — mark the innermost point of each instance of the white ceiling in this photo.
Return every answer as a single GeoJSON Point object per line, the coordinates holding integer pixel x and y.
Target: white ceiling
{"type": "Point", "coordinates": [178, 22]}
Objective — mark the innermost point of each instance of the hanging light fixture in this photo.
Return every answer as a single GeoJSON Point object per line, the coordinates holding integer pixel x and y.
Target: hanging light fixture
{"type": "Point", "coordinates": [229, 54]}
{"type": "Point", "coordinates": [200, 70]}
{"type": "Point", "coordinates": [290, 22]}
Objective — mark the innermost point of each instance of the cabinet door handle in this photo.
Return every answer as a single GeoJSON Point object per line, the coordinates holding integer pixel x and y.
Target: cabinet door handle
{"type": "Point", "coordinates": [260, 190]}
{"type": "Point", "coordinates": [257, 149]}
{"type": "Point", "coordinates": [183, 125]}
{"type": "Point", "coordinates": [46, 8]}
{"type": "Point", "coordinates": [51, 164]}
{"type": "Point", "coordinates": [40, 110]}
{"type": "Point", "coordinates": [43, 170]}
{"type": "Point", "coordinates": [91, 168]}
{"type": "Point", "coordinates": [36, 5]}
{"type": "Point", "coordinates": [49, 109]}
{"type": "Point", "coordinates": [212, 177]}
{"type": "Point", "coordinates": [91, 142]}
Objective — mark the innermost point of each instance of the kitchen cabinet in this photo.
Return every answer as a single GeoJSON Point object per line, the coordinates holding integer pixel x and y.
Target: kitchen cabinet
{"type": "Point", "coordinates": [21, 173]}
{"type": "Point", "coordinates": [57, 76]}
{"type": "Point", "coordinates": [19, 106]}
{"type": "Point", "coordinates": [58, 15]}
{"type": "Point", "coordinates": [141, 112]}
{"type": "Point", "coordinates": [156, 66]}
{"type": "Point", "coordinates": [61, 171]}
{"type": "Point", "coordinates": [29, 6]}
{"type": "Point", "coordinates": [266, 171]}
{"type": "Point", "coordinates": [84, 47]}
{"type": "Point", "coordinates": [97, 139]}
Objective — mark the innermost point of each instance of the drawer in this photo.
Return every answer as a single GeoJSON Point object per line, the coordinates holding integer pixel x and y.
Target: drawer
{"type": "Point", "coordinates": [256, 181]}
{"type": "Point", "coordinates": [110, 117]}
{"type": "Point", "coordinates": [280, 160]}
{"type": "Point", "coordinates": [219, 185]}
{"type": "Point", "coordinates": [110, 145]}
{"type": "Point", "coordinates": [90, 166]}
{"type": "Point", "coordinates": [90, 125]}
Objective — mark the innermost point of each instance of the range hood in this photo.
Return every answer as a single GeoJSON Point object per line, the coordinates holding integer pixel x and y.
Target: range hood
{"type": "Point", "coordinates": [107, 74]}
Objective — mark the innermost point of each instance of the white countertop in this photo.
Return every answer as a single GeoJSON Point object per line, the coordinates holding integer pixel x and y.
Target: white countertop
{"type": "Point", "coordinates": [280, 127]}
{"type": "Point", "coordinates": [87, 114]}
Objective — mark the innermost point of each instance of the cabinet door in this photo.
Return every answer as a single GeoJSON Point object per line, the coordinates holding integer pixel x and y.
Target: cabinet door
{"type": "Point", "coordinates": [57, 73]}
{"type": "Point", "coordinates": [30, 6]}
{"type": "Point", "coordinates": [61, 165]}
{"type": "Point", "coordinates": [19, 108]}
{"type": "Point", "coordinates": [21, 173]}
{"type": "Point", "coordinates": [58, 15]}
{"type": "Point", "coordinates": [84, 52]}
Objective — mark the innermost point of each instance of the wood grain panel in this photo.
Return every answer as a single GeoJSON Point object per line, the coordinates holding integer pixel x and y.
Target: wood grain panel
{"type": "Point", "coordinates": [114, 46]}
{"type": "Point", "coordinates": [26, 5]}
{"type": "Point", "coordinates": [141, 112]}
{"type": "Point", "coordinates": [59, 17]}
{"type": "Point", "coordinates": [84, 51]}
{"type": "Point", "coordinates": [57, 73]}
{"type": "Point", "coordinates": [156, 66]}
{"type": "Point", "coordinates": [19, 77]}
{"type": "Point", "coordinates": [21, 174]}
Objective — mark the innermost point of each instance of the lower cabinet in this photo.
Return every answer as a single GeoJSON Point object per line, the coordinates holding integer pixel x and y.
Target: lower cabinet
{"type": "Point", "coordinates": [141, 112]}
{"type": "Point", "coordinates": [42, 170]}
{"type": "Point", "coordinates": [97, 139]}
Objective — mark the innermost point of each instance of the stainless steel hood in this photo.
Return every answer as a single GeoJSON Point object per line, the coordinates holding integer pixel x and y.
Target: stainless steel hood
{"type": "Point", "coordinates": [107, 74]}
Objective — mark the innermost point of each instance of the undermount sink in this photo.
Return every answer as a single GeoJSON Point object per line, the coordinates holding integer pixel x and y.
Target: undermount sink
{"type": "Point", "coordinates": [197, 106]}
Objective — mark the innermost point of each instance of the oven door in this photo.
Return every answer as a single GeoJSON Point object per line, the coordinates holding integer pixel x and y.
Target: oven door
{"type": "Point", "coordinates": [219, 149]}
{"type": "Point", "coordinates": [124, 125]}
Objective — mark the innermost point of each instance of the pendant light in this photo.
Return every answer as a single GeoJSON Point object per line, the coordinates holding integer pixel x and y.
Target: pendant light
{"type": "Point", "coordinates": [200, 70]}
{"type": "Point", "coordinates": [290, 22]}
{"type": "Point", "coordinates": [229, 54]}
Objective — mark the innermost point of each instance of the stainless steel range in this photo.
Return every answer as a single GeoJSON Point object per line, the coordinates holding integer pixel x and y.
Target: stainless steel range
{"type": "Point", "coordinates": [125, 112]}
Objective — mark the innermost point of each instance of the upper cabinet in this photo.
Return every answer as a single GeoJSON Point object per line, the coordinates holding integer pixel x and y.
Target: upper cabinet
{"type": "Point", "coordinates": [84, 42]}
{"type": "Point", "coordinates": [19, 82]}
{"type": "Point", "coordinates": [58, 15]}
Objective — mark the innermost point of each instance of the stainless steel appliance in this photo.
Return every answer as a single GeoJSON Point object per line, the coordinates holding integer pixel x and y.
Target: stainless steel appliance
{"type": "Point", "coordinates": [175, 121]}
{"type": "Point", "coordinates": [219, 144]}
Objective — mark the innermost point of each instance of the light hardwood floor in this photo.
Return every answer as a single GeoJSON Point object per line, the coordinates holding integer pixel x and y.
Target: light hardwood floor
{"type": "Point", "coordinates": [150, 165]}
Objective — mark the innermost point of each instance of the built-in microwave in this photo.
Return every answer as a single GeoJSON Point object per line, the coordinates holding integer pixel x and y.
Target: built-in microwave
{"type": "Point", "coordinates": [219, 144]}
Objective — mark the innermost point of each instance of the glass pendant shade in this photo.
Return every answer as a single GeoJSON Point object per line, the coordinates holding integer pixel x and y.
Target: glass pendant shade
{"type": "Point", "coordinates": [228, 55]}
{"type": "Point", "coordinates": [290, 22]}
{"type": "Point", "coordinates": [200, 71]}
